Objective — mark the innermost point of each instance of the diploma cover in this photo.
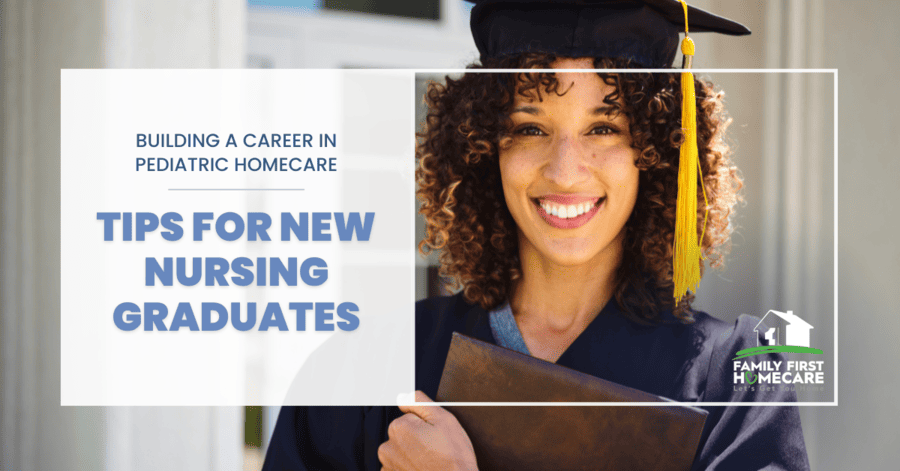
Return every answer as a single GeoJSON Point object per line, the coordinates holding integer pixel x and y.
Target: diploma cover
{"type": "Point", "coordinates": [560, 437]}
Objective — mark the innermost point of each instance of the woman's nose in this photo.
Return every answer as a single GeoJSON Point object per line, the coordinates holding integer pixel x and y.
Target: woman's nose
{"type": "Point", "coordinates": [565, 166]}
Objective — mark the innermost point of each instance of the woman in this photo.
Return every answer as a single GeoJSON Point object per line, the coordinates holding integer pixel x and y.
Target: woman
{"type": "Point", "coordinates": [552, 197]}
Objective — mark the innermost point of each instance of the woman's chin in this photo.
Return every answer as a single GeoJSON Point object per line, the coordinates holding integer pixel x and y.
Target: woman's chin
{"type": "Point", "coordinates": [572, 252]}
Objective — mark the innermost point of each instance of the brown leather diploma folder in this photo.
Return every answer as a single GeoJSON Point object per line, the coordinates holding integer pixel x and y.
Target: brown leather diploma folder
{"type": "Point", "coordinates": [560, 437]}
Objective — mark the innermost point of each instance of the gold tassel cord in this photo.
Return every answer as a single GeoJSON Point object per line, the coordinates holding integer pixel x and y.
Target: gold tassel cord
{"type": "Point", "coordinates": [687, 250]}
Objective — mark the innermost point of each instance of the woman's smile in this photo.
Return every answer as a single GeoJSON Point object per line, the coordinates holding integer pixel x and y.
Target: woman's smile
{"type": "Point", "coordinates": [568, 211]}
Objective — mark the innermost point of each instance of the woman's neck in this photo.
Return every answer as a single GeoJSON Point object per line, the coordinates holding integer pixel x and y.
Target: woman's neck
{"type": "Point", "coordinates": [553, 303]}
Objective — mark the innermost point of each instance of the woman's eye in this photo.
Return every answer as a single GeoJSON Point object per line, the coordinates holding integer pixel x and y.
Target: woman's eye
{"type": "Point", "coordinates": [603, 129]}
{"type": "Point", "coordinates": [529, 131]}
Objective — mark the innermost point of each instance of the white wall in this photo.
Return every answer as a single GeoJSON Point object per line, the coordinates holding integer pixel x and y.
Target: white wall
{"type": "Point", "coordinates": [38, 40]}
{"type": "Point", "coordinates": [862, 40]}
{"type": "Point", "coordinates": [40, 37]}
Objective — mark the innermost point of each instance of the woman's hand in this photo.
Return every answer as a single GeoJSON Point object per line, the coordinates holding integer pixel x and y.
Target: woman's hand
{"type": "Point", "coordinates": [426, 438]}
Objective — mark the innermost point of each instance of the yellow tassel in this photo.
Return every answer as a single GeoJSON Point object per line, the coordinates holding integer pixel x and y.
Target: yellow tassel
{"type": "Point", "coordinates": [687, 252]}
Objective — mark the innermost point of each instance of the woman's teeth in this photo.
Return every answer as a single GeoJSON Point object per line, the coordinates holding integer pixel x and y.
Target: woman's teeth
{"type": "Point", "coordinates": [563, 211]}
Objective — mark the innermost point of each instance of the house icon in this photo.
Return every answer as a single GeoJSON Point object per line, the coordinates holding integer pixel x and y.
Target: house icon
{"type": "Point", "coordinates": [791, 329]}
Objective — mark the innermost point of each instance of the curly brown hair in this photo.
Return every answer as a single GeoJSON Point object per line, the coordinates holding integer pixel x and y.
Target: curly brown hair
{"type": "Point", "coordinates": [461, 196]}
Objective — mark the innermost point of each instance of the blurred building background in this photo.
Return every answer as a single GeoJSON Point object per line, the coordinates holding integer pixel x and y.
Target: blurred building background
{"type": "Point", "coordinates": [783, 139]}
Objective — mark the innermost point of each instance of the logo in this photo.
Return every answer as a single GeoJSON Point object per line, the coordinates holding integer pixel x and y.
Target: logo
{"type": "Point", "coordinates": [788, 334]}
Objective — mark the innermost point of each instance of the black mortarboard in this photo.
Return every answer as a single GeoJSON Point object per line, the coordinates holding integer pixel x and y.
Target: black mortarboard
{"type": "Point", "coordinates": [644, 31]}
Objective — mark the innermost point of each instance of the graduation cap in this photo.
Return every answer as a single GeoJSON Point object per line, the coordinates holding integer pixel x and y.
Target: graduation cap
{"type": "Point", "coordinates": [642, 31]}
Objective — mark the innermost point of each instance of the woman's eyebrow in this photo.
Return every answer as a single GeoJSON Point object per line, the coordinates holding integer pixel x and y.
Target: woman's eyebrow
{"type": "Point", "coordinates": [527, 109]}
{"type": "Point", "coordinates": [607, 110]}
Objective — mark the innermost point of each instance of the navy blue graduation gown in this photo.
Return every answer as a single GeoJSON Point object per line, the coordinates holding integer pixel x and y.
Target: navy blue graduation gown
{"type": "Point", "coordinates": [689, 363]}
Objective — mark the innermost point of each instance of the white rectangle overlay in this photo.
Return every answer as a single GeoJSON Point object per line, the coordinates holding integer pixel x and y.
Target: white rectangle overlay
{"type": "Point", "coordinates": [331, 149]}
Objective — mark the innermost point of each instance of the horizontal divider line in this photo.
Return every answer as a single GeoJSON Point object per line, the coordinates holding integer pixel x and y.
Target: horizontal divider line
{"type": "Point", "coordinates": [235, 189]}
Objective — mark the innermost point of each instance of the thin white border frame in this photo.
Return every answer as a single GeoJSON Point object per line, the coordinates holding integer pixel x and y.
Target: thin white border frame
{"type": "Point", "coordinates": [666, 403]}
{"type": "Point", "coordinates": [413, 73]}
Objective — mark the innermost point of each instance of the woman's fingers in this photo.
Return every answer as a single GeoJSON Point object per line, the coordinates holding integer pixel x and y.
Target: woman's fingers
{"type": "Point", "coordinates": [405, 425]}
{"type": "Point", "coordinates": [430, 414]}
{"type": "Point", "coordinates": [389, 455]}
{"type": "Point", "coordinates": [426, 438]}
{"type": "Point", "coordinates": [403, 435]}
{"type": "Point", "coordinates": [422, 397]}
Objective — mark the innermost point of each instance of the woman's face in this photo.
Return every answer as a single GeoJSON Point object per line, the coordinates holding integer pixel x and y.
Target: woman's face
{"type": "Point", "coordinates": [568, 171]}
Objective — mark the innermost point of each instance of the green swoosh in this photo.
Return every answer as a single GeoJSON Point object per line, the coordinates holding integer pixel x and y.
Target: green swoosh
{"type": "Point", "coordinates": [749, 352]}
